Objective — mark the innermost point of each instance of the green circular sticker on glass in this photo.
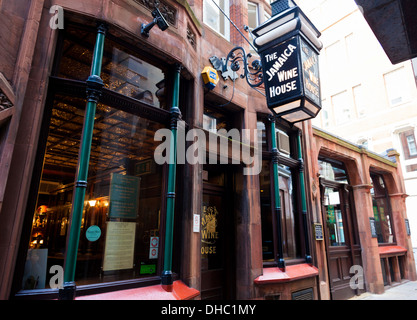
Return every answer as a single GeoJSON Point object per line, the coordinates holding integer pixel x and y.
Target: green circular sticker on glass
{"type": "Point", "coordinates": [93, 233]}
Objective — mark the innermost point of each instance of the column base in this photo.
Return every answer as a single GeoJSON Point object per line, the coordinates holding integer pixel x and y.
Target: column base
{"type": "Point", "coordinates": [68, 291]}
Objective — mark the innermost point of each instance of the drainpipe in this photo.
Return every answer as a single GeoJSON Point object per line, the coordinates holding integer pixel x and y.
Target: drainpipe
{"type": "Point", "coordinates": [275, 155]}
{"type": "Point", "coordinates": [166, 277]}
{"type": "Point", "coordinates": [303, 200]}
{"type": "Point", "coordinates": [94, 86]}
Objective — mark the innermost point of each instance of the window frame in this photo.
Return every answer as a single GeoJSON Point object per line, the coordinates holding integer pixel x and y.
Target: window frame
{"type": "Point", "coordinates": [388, 207]}
{"type": "Point", "coordinates": [76, 88]}
{"type": "Point", "coordinates": [294, 164]}
{"type": "Point", "coordinates": [256, 6]}
{"type": "Point", "coordinates": [405, 144]}
{"type": "Point", "coordinates": [403, 85]}
{"type": "Point", "coordinates": [221, 16]}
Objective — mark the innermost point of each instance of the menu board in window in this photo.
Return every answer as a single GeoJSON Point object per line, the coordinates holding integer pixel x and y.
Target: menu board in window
{"type": "Point", "coordinates": [120, 244]}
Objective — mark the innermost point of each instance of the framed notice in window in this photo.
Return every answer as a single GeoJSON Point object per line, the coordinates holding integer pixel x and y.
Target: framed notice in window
{"type": "Point", "coordinates": [373, 228]}
{"type": "Point", "coordinates": [120, 244]}
{"type": "Point", "coordinates": [318, 231]}
{"type": "Point", "coordinates": [124, 196]}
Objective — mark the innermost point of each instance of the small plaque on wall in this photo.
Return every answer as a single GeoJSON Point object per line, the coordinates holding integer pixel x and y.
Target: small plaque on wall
{"type": "Point", "coordinates": [318, 231]}
{"type": "Point", "coordinates": [407, 227]}
{"type": "Point", "coordinates": [373, 227]}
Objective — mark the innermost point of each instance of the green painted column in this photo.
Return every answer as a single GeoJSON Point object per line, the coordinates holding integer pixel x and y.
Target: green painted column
{"type": "Point", "coordinates": [303, 200]}
{"type": "Point", "coordinates": [94, 86]}
{"type": "Point", "coordinates": [166, 278]}
{"type": "Point", "coordinates": [277, 209]}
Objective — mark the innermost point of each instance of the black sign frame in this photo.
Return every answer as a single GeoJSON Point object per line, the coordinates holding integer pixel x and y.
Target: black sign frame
{"type": "Point", "coordinates": [279, 60]}
{"type": "Point", "coordinates": [281, 55]}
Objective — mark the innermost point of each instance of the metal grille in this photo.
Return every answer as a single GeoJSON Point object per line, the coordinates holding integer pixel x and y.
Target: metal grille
{"type": "Point", "coordinates": [306, 294]}
{"type": "Point", "coordinates": [281, 5]}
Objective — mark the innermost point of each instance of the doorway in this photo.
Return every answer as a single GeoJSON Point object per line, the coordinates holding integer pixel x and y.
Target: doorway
{"type": "Point", "coordinates": [217, 234]}
{"type": "Point", "coordinates": [342, 244]}
{"type": "Point", "coordinates": [343, 249]}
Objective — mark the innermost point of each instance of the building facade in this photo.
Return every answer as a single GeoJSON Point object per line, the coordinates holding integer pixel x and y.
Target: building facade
{"type": "Point", "coordinates": [374, 103]}
{"type": "Point", "coordinates": [207, 229]}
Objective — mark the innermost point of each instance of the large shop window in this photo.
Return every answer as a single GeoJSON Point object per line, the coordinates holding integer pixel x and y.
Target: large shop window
{"type": "Point", "coordinates": [382, 209]}
{"type": "Point", "coordinates": [123, 217]}
{"type": "Point", "coordinates": [291, 220]}
{"type": "Point", "coordinates": [123, 200]}
{"type": "Point", "coordinates": [122, 70]}
{"type": "Point", "coordinates": [337, 200]}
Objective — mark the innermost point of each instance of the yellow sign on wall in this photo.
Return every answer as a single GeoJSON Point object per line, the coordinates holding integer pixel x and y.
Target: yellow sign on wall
{"type": "Point", "coordinates": [210, 77]}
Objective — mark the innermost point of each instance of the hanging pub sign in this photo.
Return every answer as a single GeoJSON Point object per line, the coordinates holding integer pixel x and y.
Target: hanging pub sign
{"type": "Point", "coordinates": [291, 78]}
{"type": "Point", "coordinates": [283, 77]}
{"type": "Point", "coordinates": [288, 45]}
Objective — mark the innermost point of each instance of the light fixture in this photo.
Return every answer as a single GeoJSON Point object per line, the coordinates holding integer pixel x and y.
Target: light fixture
{"type": "Point", "coordinates": [92, 203]}
{"type": "Point", "coordinates": [158, 20]}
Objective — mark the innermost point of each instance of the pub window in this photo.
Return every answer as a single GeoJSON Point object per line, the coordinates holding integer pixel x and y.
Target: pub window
{"type": "Point", "coordinates": [122, 204]}
{"type": "Point", "coordinates": [332, 170]}
{"type": "Point", "coordinates": [337, 203]}
{"type": "Point", "coordinates": [123, 71]}
{"type": "Point", "coordinates": [335, 219]}
{"type": "Point", "coordinates": [382, 209]}
{"type": "Point", "coordinates": [291, 222]}
{"type": "Point", "coordinates": [123, 215]}
{"type": "Point", "coordinates": [215, 119]}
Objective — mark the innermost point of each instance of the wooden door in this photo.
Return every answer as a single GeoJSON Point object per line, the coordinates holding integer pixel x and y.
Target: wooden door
{"type": "Point", "coordinates": [342, 243]}
{"type": "Point", "coordinates": [217, 237]}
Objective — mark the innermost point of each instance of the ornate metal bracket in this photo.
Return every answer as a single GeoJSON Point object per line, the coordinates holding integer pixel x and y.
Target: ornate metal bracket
{"type": "Point", "coordinates": [230, 66]}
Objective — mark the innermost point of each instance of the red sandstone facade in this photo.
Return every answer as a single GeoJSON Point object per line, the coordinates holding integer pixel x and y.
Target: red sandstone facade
{"type": "Point", "coordinates": [27, 62]}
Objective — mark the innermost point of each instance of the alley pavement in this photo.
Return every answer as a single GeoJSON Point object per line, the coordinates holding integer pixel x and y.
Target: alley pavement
{"type": "Point", "coordinates": [403, 291]}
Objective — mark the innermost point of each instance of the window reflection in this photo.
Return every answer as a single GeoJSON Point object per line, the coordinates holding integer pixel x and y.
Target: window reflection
{"type": "Point", "coordinates": [122, 70]}
{"type": "Point", "coordinates": [382, 210]}
{"type": "Point", "coordinates": [120, 226]}
{"type": "Point", "coordinates": [334, 219]}
{"type": "Point", "coordinates": [332, 171]}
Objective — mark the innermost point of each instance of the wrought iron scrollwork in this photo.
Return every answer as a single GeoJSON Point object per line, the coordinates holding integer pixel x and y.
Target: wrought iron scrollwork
{"type": "Point", "coordinates": [231, 65]}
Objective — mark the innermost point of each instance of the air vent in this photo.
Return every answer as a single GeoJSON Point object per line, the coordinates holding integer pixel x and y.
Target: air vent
{"type": "Point", "coordinates": [306, 294]}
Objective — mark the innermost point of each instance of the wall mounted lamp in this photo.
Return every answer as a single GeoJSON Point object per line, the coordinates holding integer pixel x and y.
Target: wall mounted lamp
{"type": "Point", "coordinates": [158, 20]}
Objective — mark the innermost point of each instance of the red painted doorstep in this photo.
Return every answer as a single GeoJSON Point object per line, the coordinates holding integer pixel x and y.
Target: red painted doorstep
{"type": "Point", "coordinates": [295, 272]}
{"type": "Point", "coordinates": [179, 292]}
